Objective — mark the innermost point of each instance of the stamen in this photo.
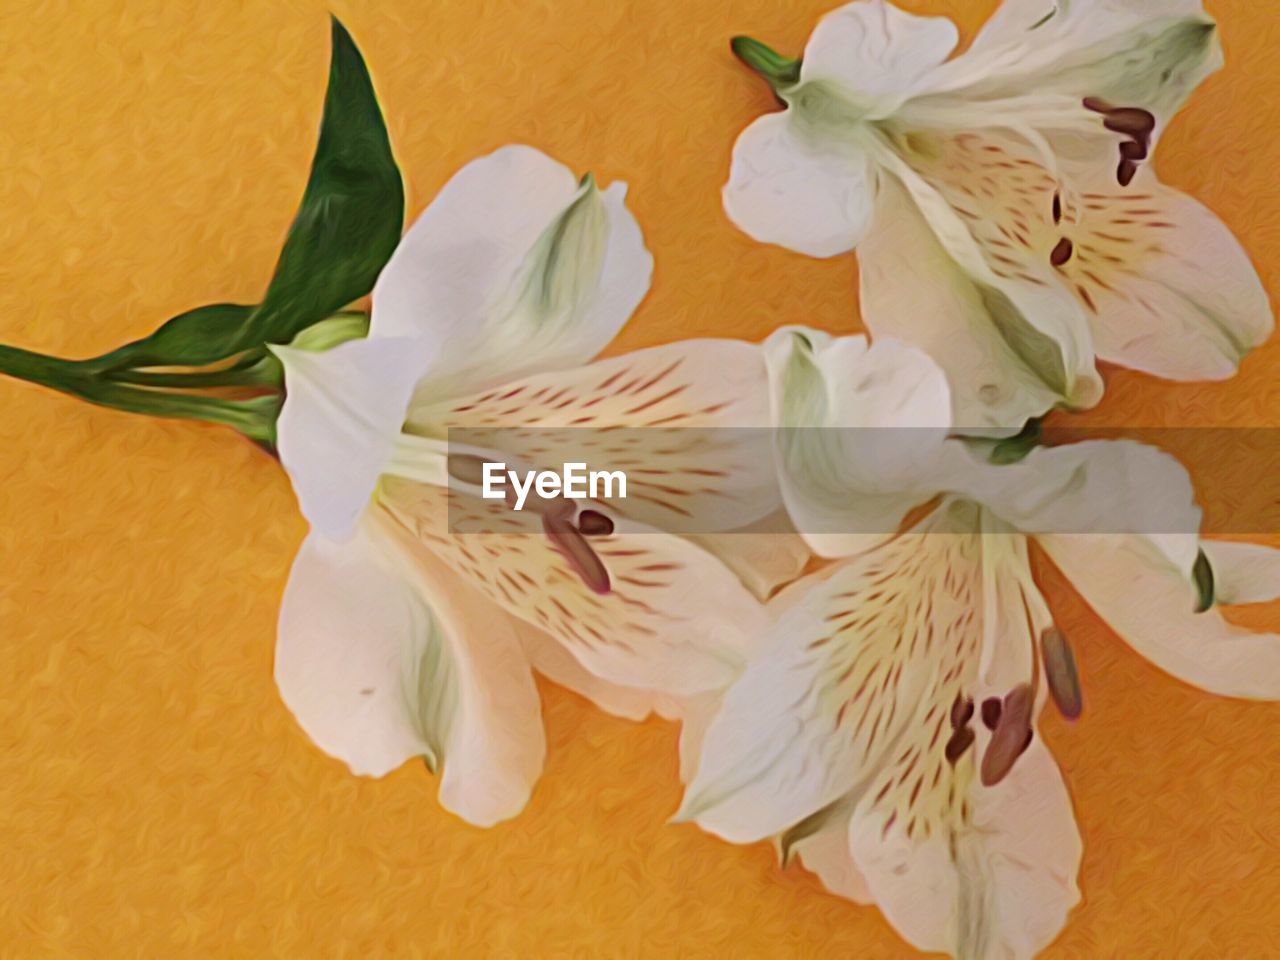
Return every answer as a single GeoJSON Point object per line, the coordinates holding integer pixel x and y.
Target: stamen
{"type": "Point", "coordinates": [991, 712]}
{"type": "Point", "coordinates": [1061, 674]}
{"type": "Point", "coordinates": [1057, 207]}
{"type": "Point", "coordinates": [592, 523]}
{"type": "Point", "coordinates": [589, 568]}
{"type": "Point", "coordinates": [1131, 121]}
{"type": "Point", "coordinates": [1133, 150]}
{"type": "Point", "coordinates": [1011, 737]}
{"type": "Point", "coordinates": [1126, 172]}
{"type": "Point", "coordinates": [1097, 105]}
{"type": "Point", "coordinates": [960, 741]}
{"type": "Point", "coordinates": [467, 468]}
{"type": "Point", "coordinates": [961, 711]}
{"type": "Point", "coordinates": [1062, 252]}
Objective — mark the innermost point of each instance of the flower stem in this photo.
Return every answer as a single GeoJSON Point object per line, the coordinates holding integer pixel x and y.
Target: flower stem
{"type": "Point", "coordinates": [780, 71]}
{"type": "Point", "coordinates": [254, 417]}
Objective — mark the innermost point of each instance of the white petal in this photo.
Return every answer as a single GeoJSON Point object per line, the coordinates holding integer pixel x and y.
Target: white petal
{"type": "Point", "coordinates": [1096, 487]}
{"type": "Point", "coordinates": [827, 853]}
{"type": "Point", "coordinates": [673, 619]}
{"type": "Point", "coordinates": [876, 53]}
{"type": "Point", "coordinates": [674, 418]}
{"type": "Point", "coordinates": [1151, 606]}
{"type": "Point", "coordinates": [384, 656]}
{"type": "Point", "coordinates": [342, 413]}
{"type": "Point", "coordinates": [998, 887]}
{"type": "Point", "coordinates": [1178, 297]}
{"type": "Point", "coordinates": [1150, 54]}
{"type": "Point", "coordinates": [346, 628]}
{"type": "Point", "coordinates": [513, 268]}
{"type": "Point", "coordinates": [495, 746]}
{"type": "Point", "coordinates": [842, 680]}
{"type": "Point", "coordinates": [1010, 349]}
{"type": "Point", "coordinates": [797, 190]}
{"type": "Point", "coordinates": [1243, 572]}
{"type": "Point", "coordinates": [861, 428]}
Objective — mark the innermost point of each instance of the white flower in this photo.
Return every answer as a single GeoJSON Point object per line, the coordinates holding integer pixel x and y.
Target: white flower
{"type": "Point", "coordinates": [1002, 202]}
{"type": "Point", "coordinates": [404, 635]}
{"type": "Point", "coordinates": [887, 729]}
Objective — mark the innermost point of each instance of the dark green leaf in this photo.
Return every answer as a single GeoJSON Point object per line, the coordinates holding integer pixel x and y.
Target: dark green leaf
{"type": "Point", "coordinates": [351, 215]}
{"type": "Point", "coordinates": [346, 228]}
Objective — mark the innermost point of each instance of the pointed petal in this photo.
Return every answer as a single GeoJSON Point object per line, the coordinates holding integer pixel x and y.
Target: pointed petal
{"type": "Point", "coordinates": [854, 418]}
{"type": "Point", "coordinates": [512, 269]}
{"type": "Point", "coordinates": [382, 660]}
{"type": "Point", "coordinates": [342, 414]}
{"type": "Point", "coordinates": [997, 882]}
{"type": "Point", "coordinates": [798, 190]}
{"type": "Point", "coordinates": [1170, 291]}
{"type": "Point", "coordinates": [346, 628]}
{"type": "Point", "coordinates": [673, 620]}
{"type": "Point", "coordinates": [876, 53]}
{"type": "Point", "coordinates": [1151, 54]}
{"type": "Point", "coordinates": [864, 657]}
{"type": "Point", "coordinates": [1243, 572]}
{"type": "Point", "coordinates": [673, 418]}
{"type": "Point", "coordinates": [827, 853]}
{"type": "Point", "coordinates": [1095, 487]}
{"type": "Point", "coordinates": [1151, 605]}
{"type": "Point", "coordinates": [1012, 346]}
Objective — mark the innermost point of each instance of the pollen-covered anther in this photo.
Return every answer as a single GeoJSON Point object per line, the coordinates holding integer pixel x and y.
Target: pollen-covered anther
{"type": "Point", "coordinates": [961, 711]}
{"type": "Point", "coordinates": [991, 712]}
{"type": "Point", "coordinates": [1011, 736]}
{"type": "Point", "coordinates": [1061, 674]}
{"type": "Point", "coordinates": [1062, 252]}
{"type": "Point", "coordinates": [575, 549]}
{"type": "Point", "coordinates": [961, 740]}
{"type": "Point", "coordinates": [1136, 125]}
{"type": "Point", "coordinates": [593, 523]}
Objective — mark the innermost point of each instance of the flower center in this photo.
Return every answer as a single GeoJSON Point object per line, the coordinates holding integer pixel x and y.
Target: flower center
{"type": "Point", "coordinates": [558, 522]}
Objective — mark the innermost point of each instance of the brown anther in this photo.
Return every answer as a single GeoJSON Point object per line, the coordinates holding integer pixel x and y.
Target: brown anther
{"type": "Point", "coordinates": [960, 741]}
{"type": "Point", "coordinates": [1062, 252]}
{"type": "Point", "coordinates": [961, 711]}
{"type": "Point", "coordinates": [1134, 150]}
{"type": "Point", "coordinates": [466, 467]}
{"type": "Point", "coordinates": [1126, 172]}
{"type": "Point", "coordinates": [1011, 736]}
{"type": "Point", "coordinates": [1061, 674]}
{"type": "Point", "coordinates": [1097, 105]}
{"type": "Point", "coordinates": [1131, 121]}
{"type": "Point", "coordinates": [589, 568]}
{"type": "Point", "coordinates": [1057, 208]}
{"type": "Point", "coordinates": [991, 712]}
{"type": "Point", "coordinates": [593, 523]}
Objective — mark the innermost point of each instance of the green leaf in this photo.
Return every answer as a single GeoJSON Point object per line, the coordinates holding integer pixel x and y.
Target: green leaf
{"type": "Point", "coordinates": [352, 211]}
{"type": "Point", "coordinates": [348, 224]}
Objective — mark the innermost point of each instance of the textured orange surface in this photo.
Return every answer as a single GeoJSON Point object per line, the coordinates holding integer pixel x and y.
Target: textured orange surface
{"type": "Point", "coordinates": [155, 797]}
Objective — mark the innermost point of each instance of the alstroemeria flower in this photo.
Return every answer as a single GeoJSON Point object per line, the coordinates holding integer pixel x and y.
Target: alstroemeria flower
{"type": "Point", "coordinates": [887, 729]}
{"type": "Point", "coordinates": [1002, 202]}
{"type": "Point", "coordinates": [402, 634]}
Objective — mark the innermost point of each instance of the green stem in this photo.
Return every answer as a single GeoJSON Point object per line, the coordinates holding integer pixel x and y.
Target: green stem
{"type": "Point", "coordinates": [255, 417]}
{"type": "Point", "coordinates": [780, 71]}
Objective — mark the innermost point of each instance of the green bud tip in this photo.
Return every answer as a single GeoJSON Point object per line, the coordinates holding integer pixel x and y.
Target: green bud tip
{"type": "Point", "coordinates": [780, 71]}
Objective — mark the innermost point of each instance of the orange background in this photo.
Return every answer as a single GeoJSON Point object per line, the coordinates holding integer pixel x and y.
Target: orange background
{"type": "Point", "coordinates": [156, 799]}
